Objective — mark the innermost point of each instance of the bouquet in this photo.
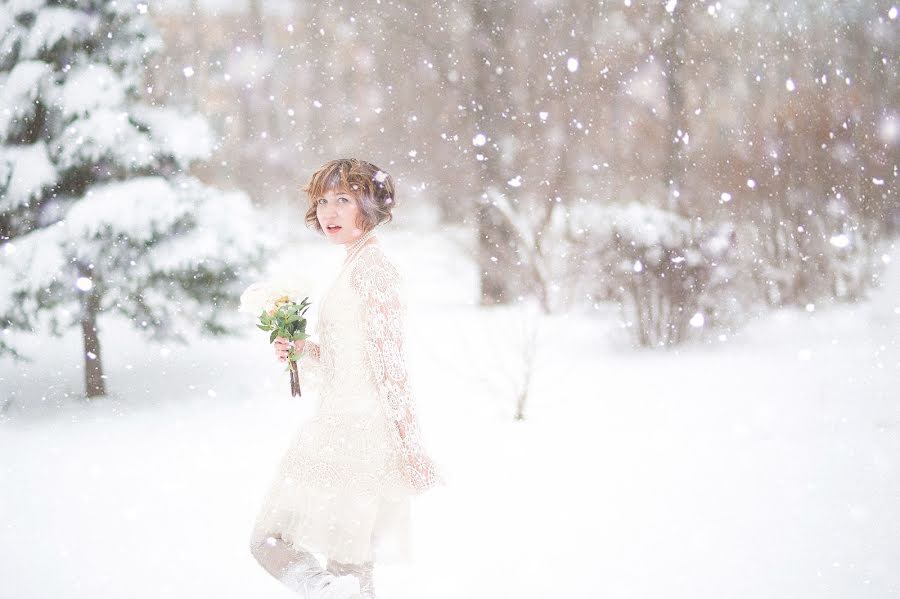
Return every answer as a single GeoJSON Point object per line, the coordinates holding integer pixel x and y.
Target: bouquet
{"type": "Point", "coordinates": [281, 311]}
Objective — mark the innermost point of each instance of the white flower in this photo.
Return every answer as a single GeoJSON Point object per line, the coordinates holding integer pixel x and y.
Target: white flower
{"type": "Point", "coordinates": [262, 296]}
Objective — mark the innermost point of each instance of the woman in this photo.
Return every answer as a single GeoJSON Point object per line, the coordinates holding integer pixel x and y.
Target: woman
{"type": "Point", "coordinates": [343, 487]}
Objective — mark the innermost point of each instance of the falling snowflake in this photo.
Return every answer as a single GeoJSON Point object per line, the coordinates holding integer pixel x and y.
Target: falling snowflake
{"type": "Point", "coordinates": [479, 140]}
{"type": "Point", "coordinates": [188, 72]}
{"type": "Point", "coordinates": [840, 241]}
{"type": "Point", "coordinates": [888, 130]}
{"type": "Point", "coordinates": [572, 64]}
{"type": "Point", "coordinates": [515, 181]}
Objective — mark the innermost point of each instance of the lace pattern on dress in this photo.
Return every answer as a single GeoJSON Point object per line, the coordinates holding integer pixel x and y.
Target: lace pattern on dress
{"type": "Point", "coordinates": [309, 367]}
{"type": "Point", "coordinates": [378, 284]}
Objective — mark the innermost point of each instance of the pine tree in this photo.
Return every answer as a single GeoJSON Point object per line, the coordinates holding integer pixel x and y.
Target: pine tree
{"type": "Point", "coordinates": [98, 213]}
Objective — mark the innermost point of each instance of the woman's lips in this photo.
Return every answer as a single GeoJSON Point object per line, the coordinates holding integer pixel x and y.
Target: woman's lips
{"type": "Point", "coordinates": [332, 229]}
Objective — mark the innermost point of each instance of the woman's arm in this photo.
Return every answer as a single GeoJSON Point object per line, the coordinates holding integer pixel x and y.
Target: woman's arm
{"type": "Point", "coordinates": [309, 350]}
{"type": "Point", "coordinates": [309, 365]}
{"type": "Point", "coordinates": [378, 285]}
{"type": "Point", "coordinates": [309, 362]}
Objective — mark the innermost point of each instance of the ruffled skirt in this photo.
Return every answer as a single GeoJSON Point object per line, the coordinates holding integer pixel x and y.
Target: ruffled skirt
{"type": "Point", "coordinates": [339, 490]}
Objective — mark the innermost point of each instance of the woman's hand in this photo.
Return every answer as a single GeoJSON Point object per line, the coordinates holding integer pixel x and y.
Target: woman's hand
{"type": "Point", "coordinates": [422, 473]}
{"type": "Point", "coordinates": [283, 347]}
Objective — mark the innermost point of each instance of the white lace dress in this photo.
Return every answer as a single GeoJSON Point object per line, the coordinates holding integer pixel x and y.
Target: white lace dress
{"type": "Point", "coordinates": [343, 487]}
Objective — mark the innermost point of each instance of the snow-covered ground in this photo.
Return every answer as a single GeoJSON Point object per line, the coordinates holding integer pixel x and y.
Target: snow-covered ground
{"type": "Point", "coordinates": [763, 466]}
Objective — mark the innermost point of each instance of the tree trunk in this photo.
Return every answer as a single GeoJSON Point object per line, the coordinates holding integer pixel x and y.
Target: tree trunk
{"type": "Point", "coordinates": [495, 241]}
{"type": "Point", "coordinates": [493, 252]}
{"type": "Point", "coordinates": [94, 384]}
{"type": "Point", "coordinates": [674, 169]}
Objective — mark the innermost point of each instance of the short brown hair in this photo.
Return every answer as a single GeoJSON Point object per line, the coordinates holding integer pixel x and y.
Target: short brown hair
{"type": "Point", "coordinates": [372, 187]}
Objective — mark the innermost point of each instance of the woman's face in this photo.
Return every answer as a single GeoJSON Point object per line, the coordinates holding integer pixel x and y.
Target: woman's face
{"type": "Point", "coordinates": [339, 208]}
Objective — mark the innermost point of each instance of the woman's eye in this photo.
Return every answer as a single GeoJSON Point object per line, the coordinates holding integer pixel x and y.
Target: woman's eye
{"type": "Point", "coordinates": [345, 199]}
{"type": "Point", "coordinates": [321, 200]}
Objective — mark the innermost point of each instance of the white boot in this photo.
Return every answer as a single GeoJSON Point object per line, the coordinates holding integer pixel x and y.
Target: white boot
{"type": "Point", "coordinates": [312, 581]}
{"type": "Point", "coordinates": [364, 573]}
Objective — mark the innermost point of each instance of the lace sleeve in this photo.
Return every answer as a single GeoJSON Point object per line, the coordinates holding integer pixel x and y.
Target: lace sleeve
{"type": "Point", "coordinates": [384, 314]}
{"type": "Point", "coordinates": [309, 366]}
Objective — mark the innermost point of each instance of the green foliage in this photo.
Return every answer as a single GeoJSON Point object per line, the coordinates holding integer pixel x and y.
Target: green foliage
{"type": "Point", "coordinates": [287, 321]}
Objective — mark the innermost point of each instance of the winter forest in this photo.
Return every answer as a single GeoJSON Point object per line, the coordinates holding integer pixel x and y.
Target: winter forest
{"type": "Point", "coordinates": [652, 258]}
